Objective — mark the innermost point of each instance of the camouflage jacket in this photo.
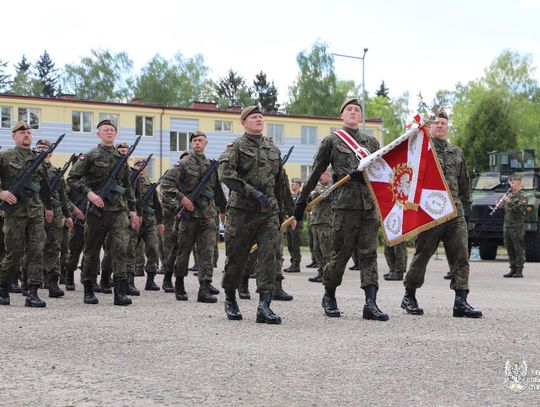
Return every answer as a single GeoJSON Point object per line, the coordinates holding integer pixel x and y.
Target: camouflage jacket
{"type": "Point", "coordinates": [286, 203]}
{"type": "Point", "coordinates": [152, 208]}
{"type": "Point", "coordinates": [60, 201]}
{"type": "Point", "coordinates": [454, 169]}
{"type": "Point", "coordinates": [322, 213]}
{"type": "Point", "coordinates": [179, 183]}
{"type": "Point", "coordinates": [168, 190]}
{"type": "Point", "coordinates": [252, 163]}
{"type": "Point", "coordinates": [514, 210]}
{"type": "Point", "coordinates": [90, 173]}
{"type": "Point", "coordinates": [13, 162]}
{"type": "Point", "coordinates": [333, 151]}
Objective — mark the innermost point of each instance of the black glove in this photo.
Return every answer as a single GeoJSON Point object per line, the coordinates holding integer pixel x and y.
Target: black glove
{"type": "Point", "coordinates": [261, 198]}
{"type": "Point", "coordinates": [356, 175]}
{"type": "Point", "coordinates": [299, 209]}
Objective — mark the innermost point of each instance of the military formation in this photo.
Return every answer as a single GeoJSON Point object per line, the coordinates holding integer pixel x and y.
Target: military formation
{"type": "Point", "coordinates": [113, 220]}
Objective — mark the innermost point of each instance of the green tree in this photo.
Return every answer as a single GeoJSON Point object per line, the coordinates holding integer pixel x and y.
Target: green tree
{"type": "Point", "coordinates": [317, 91]}
{"type": "Point", "coordinates": [383, 90]}
{"type": "Point", "coordinates": [4, 78]}
{"type": "Point", "coordinates": [103, 76]}
{"type": "Point", "coordinates": [47, 75]}
{"type": "Point", "coordinates": [174, 83]}
{"type": "Point", "coordinates": [25, 82]}
{"type": "Point", "coordinates": [232, 90]}
{"type": "Point", "coordinates": [393, 112]}
{"type": "Point", "coordinates": [266, 93]}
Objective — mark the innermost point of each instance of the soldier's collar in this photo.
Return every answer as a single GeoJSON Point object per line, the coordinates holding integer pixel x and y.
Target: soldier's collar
{"type": "Point", "coordinates": [350, 130]}
{"type": "Point", "coordinates": [257, 138]}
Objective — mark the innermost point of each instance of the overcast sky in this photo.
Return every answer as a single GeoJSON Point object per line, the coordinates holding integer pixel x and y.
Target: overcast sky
{"type": "Point", "coordinates": [415, 45]}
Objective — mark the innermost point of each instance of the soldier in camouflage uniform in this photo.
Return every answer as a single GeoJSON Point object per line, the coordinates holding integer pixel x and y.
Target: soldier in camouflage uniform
{"type": "Point", "coordinates": [513, 206]}
{"type": "Point", "coordinates": [321, 225]}
{"type": "Point", "coordinates": [88, 176]}
{"type": "Point", "coordinates": [55, 229]}
{"type": "Point", "coordinates": [355, 220]}
{"type": "Point", "coordinates": [199, 225]}
{"type": "Point", "coordinates": [396, 258]}
{"type": "Point", "coordinates": [251, 168]}
{"type": "Point", "coordinates": [23, 219]}
{"type": "Point", "coordinates": [294, 236]}
{"type": "Point", "coordinates": [452, 233]}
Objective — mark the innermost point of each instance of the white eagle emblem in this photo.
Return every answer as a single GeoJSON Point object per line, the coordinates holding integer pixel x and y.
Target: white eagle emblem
{"type": "Point", "coordinates": [516, 373]}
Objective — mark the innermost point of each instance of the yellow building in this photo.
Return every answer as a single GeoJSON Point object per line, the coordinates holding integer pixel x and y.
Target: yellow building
{"type": "Point", "coordinates": [165, 130]}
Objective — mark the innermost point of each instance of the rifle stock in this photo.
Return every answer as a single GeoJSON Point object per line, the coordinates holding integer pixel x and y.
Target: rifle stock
{"type": "Point", "coordinates": [197, 192]}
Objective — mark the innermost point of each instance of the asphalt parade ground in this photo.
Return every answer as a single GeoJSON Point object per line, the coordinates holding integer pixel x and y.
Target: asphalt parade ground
{"type": "Point", "coordinates": [159, 351]}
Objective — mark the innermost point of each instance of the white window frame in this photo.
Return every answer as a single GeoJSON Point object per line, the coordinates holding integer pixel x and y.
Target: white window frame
{"type": "Point", "coordinates": [271, 131]}
{"type": "Point", "coordinates": [305, 171]}
{"type": "Point", "coordinates": [114, 117]}
{"type": "Point", "coordinates": [27, 116]}
{"type": "Point", "coordinates": [306, 138]}
{"type": "Point", "coordinates": [7, 109]}
{"type": "Point", "coordinates": [222, 127]}
{"type": "Point", "coordinates": [84, 118]}
{"type": "Point", "coordinates": [178, 135]}
{"type": "Point", "coordinates": [144, 130]}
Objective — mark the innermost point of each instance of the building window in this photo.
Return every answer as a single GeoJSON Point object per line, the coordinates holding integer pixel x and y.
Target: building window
{"type": "Point", "coordinates": [6, 117]}
{"type": "Point", "coordinates": [221, 125]}
{"type": "Point", "coordinates": [144, 126]}
{"type": "Point", "coordinates": [30, 116]}
{"type": "Point", "coordinates": [81, 122]}
{"type": "Point", "coordinates": [112, 117]}
{"type": "Point", "coordinates": [275, 131]}
{"type": "Point", "coordinates": [179, 141]}
{"type": "Point", "coordinates": [309, 135]}
{"type": "Point", "coordinates": [305, 170]}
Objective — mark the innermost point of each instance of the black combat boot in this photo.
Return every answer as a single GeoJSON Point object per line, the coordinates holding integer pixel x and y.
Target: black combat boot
{"type": "Point", "coordinates": [449, 276]}
{"type": "Point", "coordinates": [150, 284]}
{"type": "Point", "coordinates": [510, 274]}
{"type": "Point", "coordinates": [386, 275]}
{"type": "Point", "coordinates": [329, 303]}
{"type": "Point", "coordinates": [410, 304]}
{"type": "Point", "coordinates": [180, 290]}
{"type": "Point", "coordinates": [204, 294]}
{"type": "Point", "coordinates": [32, 299]}
{"type": "Point", "coordinates": [105, 281]}
{"type": "Point", "coordinates": [371, 310]}
{"type": "Point", "coordinates": [70, 281]}
{"type": "Point", "coordinates": [24, 288]}
{"type": "Point", "coordinates": [131, 289]}
{"type": "Point", "coordinates": [95, 285]}
{"type": "Point", "coordinates": [518, 274]}
{"type": "Point", "coordinates": [213, 290]}
{"type": "Point", "coordinates": [393, 277]}
{"type": "Point", "coordinates": [194, 268]}
{"type": "Point", "coordinates": [462, 307]}
{"type": "Point", "coordinates": [264, 313]}
{"type": "Point", "coordinates": [355, 266]}
{"type": "Point", "coordinates": [167, 282]}
{"type": "Point", "coordinates": [278, 294]}
{"type": "Point", "coordinates": [295, 268]}
{"type": "Point", "coordinates": [243, 290]}
{"type": "Point", "coordinates": [4, 293]}
{"type": "Point", "coordinates": [14, 287]}
{"type": "Point", "coordinates": [54, 290]}
{"type": "Point", "coordinates": [317, 278]}
{"type": "Point", "coordinates": [231, 306]}
{"type": "Point", "coordinates": [89, 296]}
{"type": "Point", "coordinates": [313, 264]}
{"type": "Point", "coordinates": [120, 292]}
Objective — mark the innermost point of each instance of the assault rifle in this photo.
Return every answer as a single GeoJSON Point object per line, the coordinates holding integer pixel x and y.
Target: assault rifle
{"type": "Point", "coordinates": [56, 180]}
{"type": "Point", "coordinates": [25, 184]}
{"type": "Point", "coordinates": [135, 173]}
{"type": "Point", "coordinates": [198, 191]}
{"type": "Point", "coordinates": [499, 202]}
{"type": "Point", "coordinates": [147, 196]}
{"type": "Point", "coordinates": [111, 184]}
{"type": "Point", "coordinates": [286, 156]}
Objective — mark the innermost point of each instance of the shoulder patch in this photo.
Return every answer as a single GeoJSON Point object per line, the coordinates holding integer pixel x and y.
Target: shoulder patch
{"type": "Point", "coordinates": [82, 157]}
{"type": "Point", "coordinates": [230, 145]}
{"type": "Point", "coordinates": [177, 164]}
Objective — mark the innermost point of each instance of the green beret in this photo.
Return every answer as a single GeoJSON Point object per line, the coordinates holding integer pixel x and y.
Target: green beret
{"type": "Point", "coordinates": [198, 133]}
{"type": "Point", "coordinates": [349, 101]}
{"type": "Point", "coordinates": [22, 125]}
{"type": "Point", "coordinates": [249, 110]}
{"type": "Point", "coordinates": [44, 142]}
{"type": "Point", "coordinates": [515, 177]}
{"type": "Point", "coordinates": [106, 122]}
{"type": "Point", "coordinates": [297, 180]}
{"type": "Point", "coordinates": [123, 144]}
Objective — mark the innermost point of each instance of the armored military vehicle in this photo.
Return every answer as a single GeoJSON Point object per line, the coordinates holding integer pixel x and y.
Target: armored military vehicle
{"type": "Point", "coordinates": [486, 222]}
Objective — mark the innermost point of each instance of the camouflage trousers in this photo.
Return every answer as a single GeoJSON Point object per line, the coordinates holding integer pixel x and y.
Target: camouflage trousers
{"type": "Point", "coordinates": [353, 228]}
{"type": "Point", "coordinates": [310, 242]}
{"type": "Point", "coordinates": [322, 243]}
{"type": "Point", "coordinates": [55, 235]}
{"type": "Point", "coordinates": [253, 264]}
{"type": "Point", "coordinates": [76, 246]}
{"type": "Point", "coordinates": [454, 236]}
{"type": "Point", "coordinates": [201, 233]}
{"type": "Point", "coordinates": [293, 244]}
{"type": "Point", "coordinates": [513, 241]}
{"type": "Point", "coordinates": [115, 226]}
{"type": "Point", "coordinates": [148, 235]}
{"type": "Point", "coordinates": [166, 241]}
{"type": "Point", "coordinates": [23, 234]}
{"type": "Point", "coordinates": [242, 230]}
{"type": "Point", "coordinates": [396, 258]}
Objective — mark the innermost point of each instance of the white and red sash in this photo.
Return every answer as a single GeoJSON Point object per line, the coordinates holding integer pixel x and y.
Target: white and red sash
{"type": "Point", "coordinates": [359, 151]}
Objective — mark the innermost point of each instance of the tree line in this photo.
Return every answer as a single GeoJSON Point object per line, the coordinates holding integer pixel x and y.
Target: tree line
{"type": "Point", "coordinates": [499, 111]}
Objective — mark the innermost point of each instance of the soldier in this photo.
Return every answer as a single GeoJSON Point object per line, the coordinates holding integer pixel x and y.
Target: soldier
{"type": "Point", "coordinates": [293, 236]}
{"type": "Point", "coordinates": [452, 233]}
{"type": "Point", "coordinates": [55, 229]}
{"type": "Point", "coordinates": [355, 220]}
{"type": "Point", "coordinates": [321, 225]}
{"type": "Point", "coordinates": [199, 225]}
{"type": "Point", "coordinates": [88, 176]}
{"type": "Point", "coordinates": [23, 218]}
{"type": "Point", "coordinates": [251, 168]}
{"type": "Point", "coordinates": [513, 206]}
{"type": "Point", "coordinates": [396, 258]}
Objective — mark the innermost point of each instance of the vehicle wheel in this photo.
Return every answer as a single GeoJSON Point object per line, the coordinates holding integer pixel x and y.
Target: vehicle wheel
{"type": "Point", "coordinates": [488, 250]}
{"type": "Point", "coordinates": [532, 246]}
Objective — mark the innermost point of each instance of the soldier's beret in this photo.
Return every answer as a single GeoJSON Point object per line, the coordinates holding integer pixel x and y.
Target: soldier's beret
{"type": "Point", "coordinates": [123, 144]}
{"type": "Point", "coordinates": [106, 122]}
{"type": "Point", "coordinates": [350, 101]}
{"type": "Point", "coordinates": [442, 114]}
{"type": "Point", "coordinates": [249, 110]}
{"type": "Point", "coordinates": [44, 142]}
{"type": "Point", "coordinates": [22, 125]}
{"type": "Point", "coordinates": [515, 177]}
{"type": "Point", "coordinates": [297, 180]}
{"type": "Point", "coordinates": [198, 133]}
{"type": "Point", "coordinates": [139, 161]}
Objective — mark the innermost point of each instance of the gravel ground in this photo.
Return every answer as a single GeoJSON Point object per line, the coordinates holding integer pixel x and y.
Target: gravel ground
{"type": "Point", "coordinates": [162, 352]}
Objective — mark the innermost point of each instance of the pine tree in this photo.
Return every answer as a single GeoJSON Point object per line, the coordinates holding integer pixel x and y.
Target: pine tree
{"type": "Point", "coordinates": [383, 90]}
{"type": "Point", "coordinates": [47, 74]}
{"type": "Point", "coordinates": [266, 93]}
{"type": "Point", "coordinates": [4, 78]}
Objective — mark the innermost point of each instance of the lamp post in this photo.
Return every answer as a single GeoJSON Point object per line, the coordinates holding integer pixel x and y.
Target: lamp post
{"type": "Point", "coordinates": [363, 57]}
